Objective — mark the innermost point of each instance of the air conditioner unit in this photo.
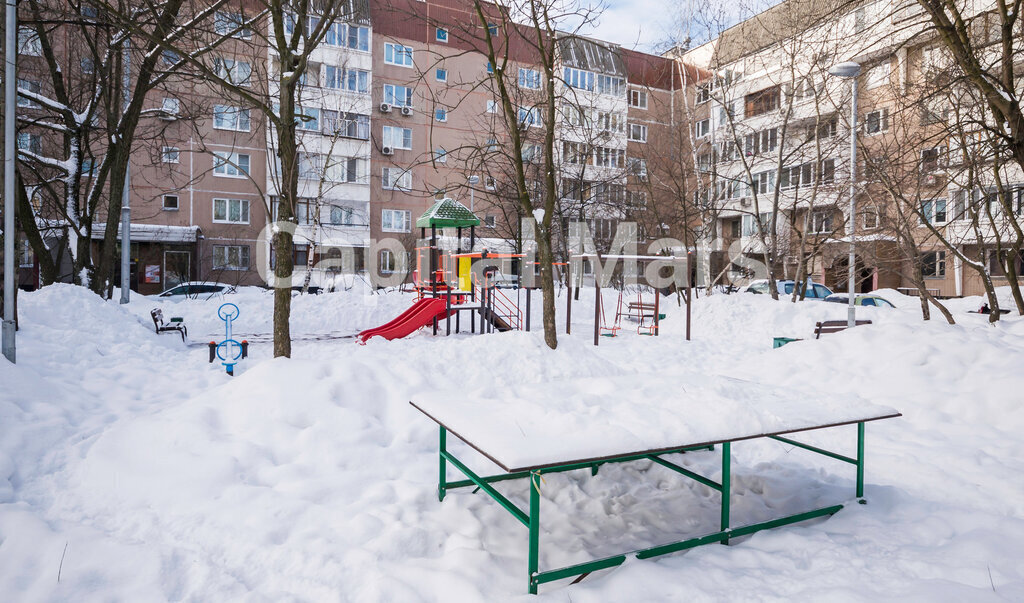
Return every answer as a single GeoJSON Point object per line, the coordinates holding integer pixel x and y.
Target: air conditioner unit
{"type": "Point", "coordinates": [385, 108]}
{"type": "Point", "coordinates": [744, 202]}
{"type": "Point", "coordinates": [407, 111]}
{"type": "Point", "coordinates": [387, 151]}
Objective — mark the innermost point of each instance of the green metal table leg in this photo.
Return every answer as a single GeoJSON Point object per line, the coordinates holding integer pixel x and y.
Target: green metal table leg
{"type": "Point", "coordinates": [860, 463]}
{"type": "Point", "coordinates": [443, 467]}
{"type": "Point", "coordinates": [726, 486]}
{"type": "Point", "coordinates": [534, 529]}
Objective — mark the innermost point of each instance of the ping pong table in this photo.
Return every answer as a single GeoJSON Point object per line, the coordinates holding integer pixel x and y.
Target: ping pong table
{"type": "Point", "coordinates": [534, 429]}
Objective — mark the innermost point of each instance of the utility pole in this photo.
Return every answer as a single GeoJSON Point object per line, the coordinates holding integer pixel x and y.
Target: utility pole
{"type": "Point", "coordinates": [10, 92]}
{"type": "Point", "coordinates": [126, 227]}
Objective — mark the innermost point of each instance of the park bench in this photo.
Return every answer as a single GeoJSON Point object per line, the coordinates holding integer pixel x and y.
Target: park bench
{"type": "Point", "coordinates": [639, 310]}
{"type": "Point", "coordinates": [176, 323]}
{"type": "Point", "coordinates": [834, 326]}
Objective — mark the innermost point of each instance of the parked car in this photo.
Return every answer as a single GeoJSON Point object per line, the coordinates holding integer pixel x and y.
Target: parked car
{"type": "Point", "coordinates": [505, 281]}
{"type": "Point", "coordinates": [860, 300]}
{"type": "Point", "coordinates": [196, 290]}
{"type": "Point", "coordinates": [814, 290]}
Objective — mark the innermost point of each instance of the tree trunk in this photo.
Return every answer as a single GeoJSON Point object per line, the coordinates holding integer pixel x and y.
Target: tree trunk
{"type": "Point", "coordinates": [547, 285]}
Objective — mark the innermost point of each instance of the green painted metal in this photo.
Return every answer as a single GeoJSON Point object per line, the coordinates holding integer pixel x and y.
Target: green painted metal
{"type": "Point", "coordinates": [534, 525]}
{"type": "Point", "coordinates": [726, 488]}
{"type": "Point", "coordinates": [860, 460]}
{"type": "Point", "coordinates": [683, 470]}
{"type": "Point", "coordinates": [443, 473]}
{"type": "Point", "coordinates": [827, 453]}
{"type": "Point", "coordinates": [579, 569]}
{"type": "Point", "coordinates": [447, 213]}
{"type": "Point", "coordinates": [511, 508]}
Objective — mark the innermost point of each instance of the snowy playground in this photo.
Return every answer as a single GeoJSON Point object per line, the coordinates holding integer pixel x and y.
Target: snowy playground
{"type": "Point", "coordinates": [132, 468]}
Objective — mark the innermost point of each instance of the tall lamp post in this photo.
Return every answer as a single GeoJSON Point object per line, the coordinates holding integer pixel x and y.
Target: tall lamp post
{"type": "Point", "coordinates": [472, 185]}
{"type": "Point", "coordinates": [7, 332]}
{"type": "Point", "coordinates": [850, 71]}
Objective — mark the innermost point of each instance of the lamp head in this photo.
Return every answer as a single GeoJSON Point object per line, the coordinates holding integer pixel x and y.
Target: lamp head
{"type": "Point", "coordinates": [845, 70]}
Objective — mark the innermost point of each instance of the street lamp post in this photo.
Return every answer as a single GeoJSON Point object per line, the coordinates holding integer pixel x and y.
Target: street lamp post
{"type": "Point", "coordinates": [472, 184]}
{"type": "Point", "coordinates": [7, 332]}
{"type": "Point", "coordinates": [850, 71]}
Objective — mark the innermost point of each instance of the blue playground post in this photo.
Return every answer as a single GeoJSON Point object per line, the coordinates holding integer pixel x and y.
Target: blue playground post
{"type": "Point", "coordinates": [229, 351]}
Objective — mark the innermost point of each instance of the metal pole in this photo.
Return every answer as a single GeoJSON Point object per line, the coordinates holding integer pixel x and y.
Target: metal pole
{"type": "Point", "coordinates": [726, 487]}
{"type": "Point", "coordinates": [851, 319]}
{"type": "Point", "coordinates": [10, 93]}
{"type": "Point", "coordinates": [126, 239]}
{"type": "Point", "coordinates": [534, 542]}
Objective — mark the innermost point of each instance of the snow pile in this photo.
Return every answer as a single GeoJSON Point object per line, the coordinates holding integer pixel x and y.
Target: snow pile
{"type": "Point", "coordinates": [314, 479]}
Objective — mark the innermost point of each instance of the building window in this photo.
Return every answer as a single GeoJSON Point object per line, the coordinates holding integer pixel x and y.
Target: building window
{"type": "Point", "coordinates": [170, 106]}
{"type": "Point", "coordinates": [349, 36]}
{"type": "Point", "coordinates": [231, 165]}
{"type": "Point", "coordinates": [233, 71]}
{"type": "Point", "coordinates": [28, 42]}
{"type": "Point", "coordinates": [638, 167]}
{"type": "Point", "coordinates": [170, 154]}
{"type": "Point", "coordinates": [226, 117]}
{"type": "Point", "coordinates": [492, 29]}
{"type": "Point", "coordinates": [870, 218]}
{"type": "Point", "coordinates": [931, 159]}
{"type": "Point", "coordinates": [170, 202]}
{"type": "Point", "coordinates": [933, 211]}
{"type": "Point", "coordinates": [387, 262]}
{"type": "Point", "coordinates": [703, 93]}
{"type": "Point", "coordinates": [441, 35]}
{"type": "Point", "coordinates": [225, 23]}
{"type": "Point", "coordinates": [396, 179]}
{"type": "Point", "coordinates": [529, 78]}
{"type": "Point", "coordinates": [579, 79]}
{"type": "Point", "coordinates": [606, 157]}
{"type": "Point", "coordinates": [169, 57]}
{"type": "Point", "coordinates": [701, 129]}
{"type": "Point", "coordinates": [397, 54]}
{"type": "Point", "coordinates": [440, 114]}
{"type": "Point", "coordinates": [638, 132]}
{"type": "Point", "coordinates": [441, 75]}
{"type": "Point", "coordinates": [342, 216]}
{"type": "Point", "coordinates": [798, 175]}
{"type": "Point", "coordinates": [821, 222]}
{"type": "Point", "coordinates": [399, 96]}
{"type": "Point", "coordinates": [763, 182]}
{"type": "Point", "coordinates": [529, 117]}
{"type": "Point", "coordinates": [490, 183]}
{"type": "Point", "coordinates": [397, 138]}
{"type": "Point", "coordinates": [440, 155]}
{"type": "Point", "coordinates": [933, 264]}
{"type": "Point", "coordinates": [877, 76]}
{"type": "Point", "coordinates": [88, 66]}
{"type": "Point", "coordinates": [761, 102]}
{"type": "Point", "coordinates": [28, 86]}
{"type": "Point", "coordinates": [492, 106]}
{"type": "Point", "coordinates": [230, 257]}
{"type": "Point", "coordinates": [490, 221]}
{"type": "Point", "coordinates": [765, 141]}
{"type": "Point", "coordinates": [342, 169]}
{"type": "Point", "coordinates": [346, 125]}
{"type": "Point", "coordinates": [352, 80]}
{"type": "Point", "coordinates": [638, 99]}
{"type": "Point", "coordinates": [29, 142]}
{"type": "Point", "coordinates": [826, 129]}
{"type": "Point", "coordinates": [876, 121]}
{"type": "Point", "coordinates": [231, 211]}
{"type": "Point", "coordinates": [827, 171]}
{"type": "Point", "coordinates": [610, 85]}
{"type": "Point", "coordinates": [395, 220]}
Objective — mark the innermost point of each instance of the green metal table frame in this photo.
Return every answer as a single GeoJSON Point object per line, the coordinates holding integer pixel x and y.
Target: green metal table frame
{"type": "Point", "coordinates": [531, 519]}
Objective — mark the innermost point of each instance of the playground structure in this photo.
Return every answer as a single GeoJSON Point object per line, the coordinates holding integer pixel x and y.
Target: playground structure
{"type": "Point", "coordinates": [229, 351]}
{"type": "Point", "coordinates": [647, 314]}
{"type": "Point", "coordinates": [449, 285]}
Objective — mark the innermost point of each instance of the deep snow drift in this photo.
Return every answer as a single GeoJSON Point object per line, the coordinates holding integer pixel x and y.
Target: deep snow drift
{"type": "Point", "coordinates": [140, 472]}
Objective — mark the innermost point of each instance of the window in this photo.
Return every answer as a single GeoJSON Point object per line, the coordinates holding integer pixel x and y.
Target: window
{"type": "Point", "coordinates": [440, 114]}
{"type": "Point", "coordinates": [826, 129]}
{"type": "Point", "coordinates": [233, 71]}
{"type": "Point", "coordinates": [28, 86]}
{"type": "Point", "coordinates": [170, 202]}
{"type": "Point", "coordinates": [440, 155]}
{"type": "Point", "coordinates": [701, 129]}
{"type": "Point", "coordinates": [231, 211]}
{"type": "Point", "coordinates": [529, 117]}
{"type": "Point", "coordinates": [342, 169]}
{"type": "Point", "coordinates": [492, 106]}
{"type": "Point", "coordinates": [931, 159]}
{"type": "Point", "coordinates": [761, 102]}
{"type": "Point", "coordinates": [397, 54]}
{"type": "Point", "coordinates": [224, 23]}
{"type": "Point", "coordinates": [492, 29]}
{"type": "Point", "coordinates": [765, 141]}
{"type": "Point", "coordinates": [574, 152]}
{"type": "Point", "coordinates": [490, 221]}
{"type": "Point", "coordinates": [396, 179]}
{"type": "Point", "coordinates": [388, 264]}
{"type": "Point", "coordinates": [763, 182]}
{"type": "Point", "coordinates": [395, 220]}
{"type": "Point", "coordinates": [28, 42]}
{"type": "Point", "coordinates": [490, 183]}
{"type": "Point", "coordinates": [352, 80]}
{"type": "Point", "coordinates": [441, 35]}
{"type": "Point", "coordinates": [346, 125]}
{"type": "Point", "coordinates": [232, 165]}
{"type": "Point", "coordinates": [827, 171]}
{"type": "Point", "coordinates": [860, 21]}
{"type": "Point", "coordinates": [638, 167]}
{"type": "Point", "coordinates": [170, 106]}
{"type": "Point", "coordinates": [638, 99]}
{"type": "Point", "coordinates": [933, 211]}
{"type": "Point", "coordinates": [399, 96]}
{"type": "Point", "coordinates": [605, 157]}
{"type": "Point", "coordinates": [532, 152]}
{"type": "Point", "coordinates": [492, 145]}
{"type": "Point", "coordinates": [351, 36]}
{"type": "Point", "coordinates": [490, 67]}
{"type": "Point", "coordinates": [610, 122]}
{"type": "Point", "coordinates": [703, 93]}
{"type": "Point", "coordinates": [610, 85]}
{"type": "Point", "coordinates": [529, 78]}
{"type": "Point", "coordinates": [821, 222]}
{"type": "Point", "coordinates": [31, 143]}
{"type": "Point", "coordinates": [310, 166]}
{"type": "Point", "coordinates": [88, 66]}
{"type": "Point", "coordinates": [870, 218]}
{"type": "Point", "coordinates": [876, 121]}
{"type": "Point", "coordinates": [877, 76]}
{"type": "Point", "coordinates": [231, 118]}
{"type": "Point", "coordinates": [230, 257]}
{"type": "Point", "coordinates": [342, 216]}
{"type": "Point", "coordinates": [933, 264]}
{"type": "Point", "coordinates": [441, 75]}
{"type": "Point", "coordinates": [799, 175]}
{"type": "Point", "coordinates": [577, 78]}
{"type": "Point", "coordinates": [397, 138]}
{"type": "Point", "coordinates": [638, 132]}
{"type": "Point", "coordinates": [169, 154]}
{"type": "Point", "coordinates": [169, 57]}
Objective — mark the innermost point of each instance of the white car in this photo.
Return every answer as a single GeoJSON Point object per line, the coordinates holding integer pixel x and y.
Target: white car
{"type": "Point", "coordinates": [196, 290]}
{"type": "Point", "coordinates": [814, 290]}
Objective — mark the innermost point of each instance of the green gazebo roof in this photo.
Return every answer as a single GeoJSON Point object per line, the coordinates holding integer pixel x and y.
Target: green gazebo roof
{"type": "Point", "coordinates": [447, 213]}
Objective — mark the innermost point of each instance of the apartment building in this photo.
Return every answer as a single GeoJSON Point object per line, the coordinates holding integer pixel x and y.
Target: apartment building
{"type": "Point", "coordinates": [771, 132]}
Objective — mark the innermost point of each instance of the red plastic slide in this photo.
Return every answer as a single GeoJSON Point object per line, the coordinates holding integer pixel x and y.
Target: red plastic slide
{"type": "Point", "coordinates": [421, 314]}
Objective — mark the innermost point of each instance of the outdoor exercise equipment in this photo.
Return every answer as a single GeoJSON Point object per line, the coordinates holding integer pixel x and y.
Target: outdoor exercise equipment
{"type": "Point", "coordinates": [229, 351]}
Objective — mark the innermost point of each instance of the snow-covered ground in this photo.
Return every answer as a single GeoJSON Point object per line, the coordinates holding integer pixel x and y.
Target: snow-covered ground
{"type": "Point", "coordinates": [131, 469]}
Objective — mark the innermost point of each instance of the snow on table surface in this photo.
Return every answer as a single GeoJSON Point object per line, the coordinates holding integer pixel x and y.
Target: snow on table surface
{"type": "Point", "coordinates": [561, 422]}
